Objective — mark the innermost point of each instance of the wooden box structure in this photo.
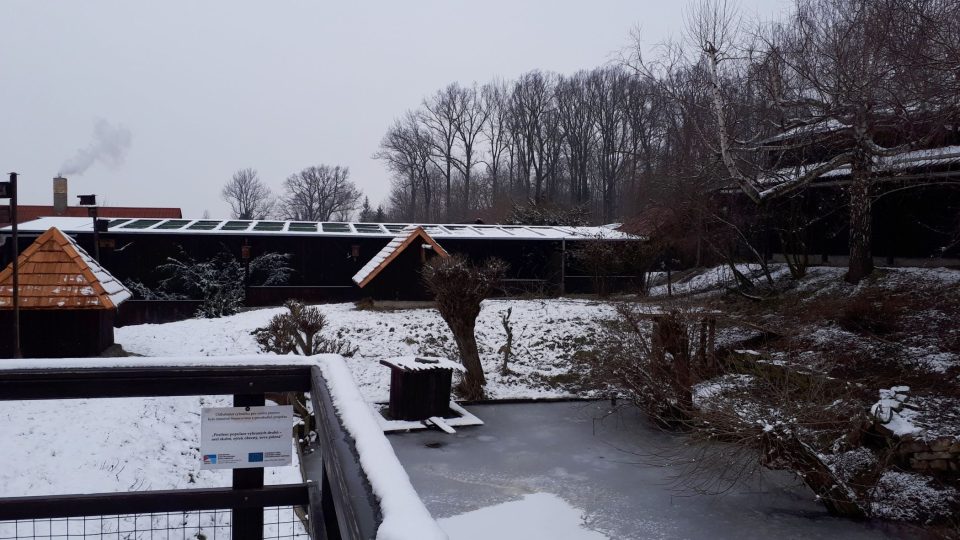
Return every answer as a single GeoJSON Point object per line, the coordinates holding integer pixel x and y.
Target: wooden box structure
{"type": "Point", "coordinates": [67, 301]}
{"type": "Point", "coordinates": [420, 387]}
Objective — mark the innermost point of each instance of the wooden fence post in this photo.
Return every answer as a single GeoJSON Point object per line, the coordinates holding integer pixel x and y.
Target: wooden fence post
{"type": "Point", "coordinates": [247, 523]}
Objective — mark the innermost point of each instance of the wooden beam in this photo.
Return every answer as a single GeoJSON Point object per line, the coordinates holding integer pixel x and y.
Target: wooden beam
{"type": "Point", "coordinates": [72, 383]}
{"type": "Point", "coordinates": [146, 502]}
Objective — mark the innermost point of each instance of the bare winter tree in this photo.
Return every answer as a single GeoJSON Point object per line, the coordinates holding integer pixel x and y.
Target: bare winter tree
{"type": "Point", "coordinates": [494, 101]}
{"type": "Point", "coordinates": [441, 115]}
{"type": "Point", "coordinates": [608, 97]}
{"type": "Point", "coordinates": [843, 75]}
{"type": "Point", "coordinates": [247, 195]}
{"type": "Point", "coordinates": [320, 193]}
{"type": "Point", "coordinates": [469, 124]}
{"type": "Point", "coordinates": [536, 132]}
{"type": "Point", "coordinates": [577, 125]}
{"type": "Point", "coordinates": [459, 287]}
{"type": "Point", "coordinates": [406, 149]}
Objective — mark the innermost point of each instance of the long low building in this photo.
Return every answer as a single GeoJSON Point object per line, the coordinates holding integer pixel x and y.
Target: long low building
{"type": "Point", "coordinates": [326, 256]}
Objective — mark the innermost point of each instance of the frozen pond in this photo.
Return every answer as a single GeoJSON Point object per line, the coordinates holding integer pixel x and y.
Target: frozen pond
{"type": "Point", "coordinates": [556, 470]}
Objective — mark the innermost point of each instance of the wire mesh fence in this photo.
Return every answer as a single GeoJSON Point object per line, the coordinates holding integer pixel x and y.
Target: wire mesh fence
{"type": "Point", "coordinates": [279, 523]}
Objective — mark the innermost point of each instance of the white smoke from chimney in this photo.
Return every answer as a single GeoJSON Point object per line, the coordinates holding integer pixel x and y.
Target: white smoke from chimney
{"type": "Point", "coordinates": [109, 146]}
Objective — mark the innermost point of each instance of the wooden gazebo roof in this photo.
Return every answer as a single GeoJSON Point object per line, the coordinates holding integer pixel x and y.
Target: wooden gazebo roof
{"type": "Point", "coordinates": [56, 273]}
{"type": "Point", "coordinates": [390, 252]}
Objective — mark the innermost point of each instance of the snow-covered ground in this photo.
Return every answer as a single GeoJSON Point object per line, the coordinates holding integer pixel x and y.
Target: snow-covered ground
{"type": "Point", "coordinates": [142, 444]}
{"type": "Point", "coordinates": [109, 445]}
{"type": "Point", "coordinates": [547, 333]}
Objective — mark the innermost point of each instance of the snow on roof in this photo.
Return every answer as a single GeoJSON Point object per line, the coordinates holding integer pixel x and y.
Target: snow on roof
{"type": "Point", "coordinates": [56, 273]}
{"type": "Point", "coordinates": [391, 251]}
{"type": "Point", "coordinates": [931, 157]}
{"type": "Point", "coordinates": [815, 128]}
{"type": "Point", "coordinates": [422, 363]}
{"type": "Point", "coordinates": [72, 225]}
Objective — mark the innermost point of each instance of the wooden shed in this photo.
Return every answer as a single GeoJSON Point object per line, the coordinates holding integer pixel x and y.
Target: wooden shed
{"type": "Point", "coordinates": [394, 272]}
{"type": "Point", "coordinates": [67, 301]}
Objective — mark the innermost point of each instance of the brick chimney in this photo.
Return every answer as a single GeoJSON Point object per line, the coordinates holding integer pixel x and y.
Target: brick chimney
{"type": "Point", "coordinates": [59, 196]}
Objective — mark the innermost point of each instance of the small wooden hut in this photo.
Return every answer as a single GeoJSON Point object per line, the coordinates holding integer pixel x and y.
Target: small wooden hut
{"type": "Point", "coordinates": [394, 272]}
{"type": "Point", "coordinates": [67, 301]}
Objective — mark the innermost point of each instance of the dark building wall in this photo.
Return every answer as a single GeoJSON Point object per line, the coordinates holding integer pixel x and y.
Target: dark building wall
{"type": "Point", "coordinates": [324, 266]}
{"type": "Point", "coordinates": [910, 220]}
{"type": "Point", "coordinates": [917, 223]}
{"type": "Point", "coordinates": [58, 333]}
{"type": "Point", "coordinates": [316, 260]}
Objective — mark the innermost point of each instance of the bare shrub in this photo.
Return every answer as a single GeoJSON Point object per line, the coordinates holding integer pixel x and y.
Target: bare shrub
{"type": "Point", "coordinates": [867, 314]}
{"type": "Point", "coordinates": [299, 332]}
{"type": "Point", "coordinates": [757, 415]}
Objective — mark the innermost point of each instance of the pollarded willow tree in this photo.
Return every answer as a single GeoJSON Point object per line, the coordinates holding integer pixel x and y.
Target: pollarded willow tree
{"type": "Point", "coordinates": [459, 287]}
{"type": "Point", "coordinates": [854, 83]}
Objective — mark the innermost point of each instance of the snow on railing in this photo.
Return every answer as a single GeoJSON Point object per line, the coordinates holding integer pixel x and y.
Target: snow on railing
{"type": "Point", "coordinates": [404, 515]}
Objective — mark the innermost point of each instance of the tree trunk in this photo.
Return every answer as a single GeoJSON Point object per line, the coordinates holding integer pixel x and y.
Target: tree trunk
{"type": "Point", "coordinates": [782, 449]}
{"type": "Point", "coordinates": [447, 201]}
{"type": "Point", "coordinates": [861, 258]}
{"type": "Point", "coordinates": [474, 380]}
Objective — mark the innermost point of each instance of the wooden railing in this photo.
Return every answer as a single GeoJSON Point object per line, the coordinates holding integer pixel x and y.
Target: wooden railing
{"type": "Point", "coordinates": [337, 495]}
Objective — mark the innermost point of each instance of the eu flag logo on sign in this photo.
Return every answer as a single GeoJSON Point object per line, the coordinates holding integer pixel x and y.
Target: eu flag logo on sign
{"type": "Point", "coordinates": [255, 457]}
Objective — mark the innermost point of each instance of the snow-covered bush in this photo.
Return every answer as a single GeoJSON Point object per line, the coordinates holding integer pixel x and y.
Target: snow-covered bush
{"type": "Point", "coordinates": [142, 292]}
{"type": "Point", "coordinates": [299, 332]}
{"type": "Point", "coordinates": [269, 269]}
{"type": "Point", "coordinates": [218, 281]}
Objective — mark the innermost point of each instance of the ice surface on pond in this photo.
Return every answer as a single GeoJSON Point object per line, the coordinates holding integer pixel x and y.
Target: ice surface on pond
{"type": "Point", "coordinates": [616, 476]}
{"type": "Point", "coordinates": [538, 515]}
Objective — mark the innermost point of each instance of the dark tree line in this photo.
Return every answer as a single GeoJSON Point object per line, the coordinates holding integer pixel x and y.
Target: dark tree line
{"type": "Point", "coordinates": [703, 114]}
{"type": "Point", "coordinates": [545, 139]}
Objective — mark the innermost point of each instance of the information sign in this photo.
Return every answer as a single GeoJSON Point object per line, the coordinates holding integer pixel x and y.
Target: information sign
{"type": "Point", "coordinates": [246, 437]}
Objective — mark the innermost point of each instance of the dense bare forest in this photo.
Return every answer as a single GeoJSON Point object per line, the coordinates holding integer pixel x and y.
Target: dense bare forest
{"type": "Point", "coordinates": [760, 109]}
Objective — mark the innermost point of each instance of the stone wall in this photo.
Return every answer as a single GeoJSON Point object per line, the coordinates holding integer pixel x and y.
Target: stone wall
{"type": "Point", "coordinates": [939, 455]}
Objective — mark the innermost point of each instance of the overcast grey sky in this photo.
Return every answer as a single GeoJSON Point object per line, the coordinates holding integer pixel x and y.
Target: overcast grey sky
{"type": "Point", "coordinates": [208, 87]}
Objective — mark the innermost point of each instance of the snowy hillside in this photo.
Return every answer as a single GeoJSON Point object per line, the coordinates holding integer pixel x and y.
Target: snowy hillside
{"type": "Point", "coordinates": [547, 333]}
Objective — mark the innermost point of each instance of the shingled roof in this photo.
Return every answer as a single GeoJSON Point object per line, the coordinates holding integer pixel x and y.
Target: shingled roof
{"type": "Point", "coordinates": [390, 252]}
{"type": "Point", "coordinates": [56, 273]}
